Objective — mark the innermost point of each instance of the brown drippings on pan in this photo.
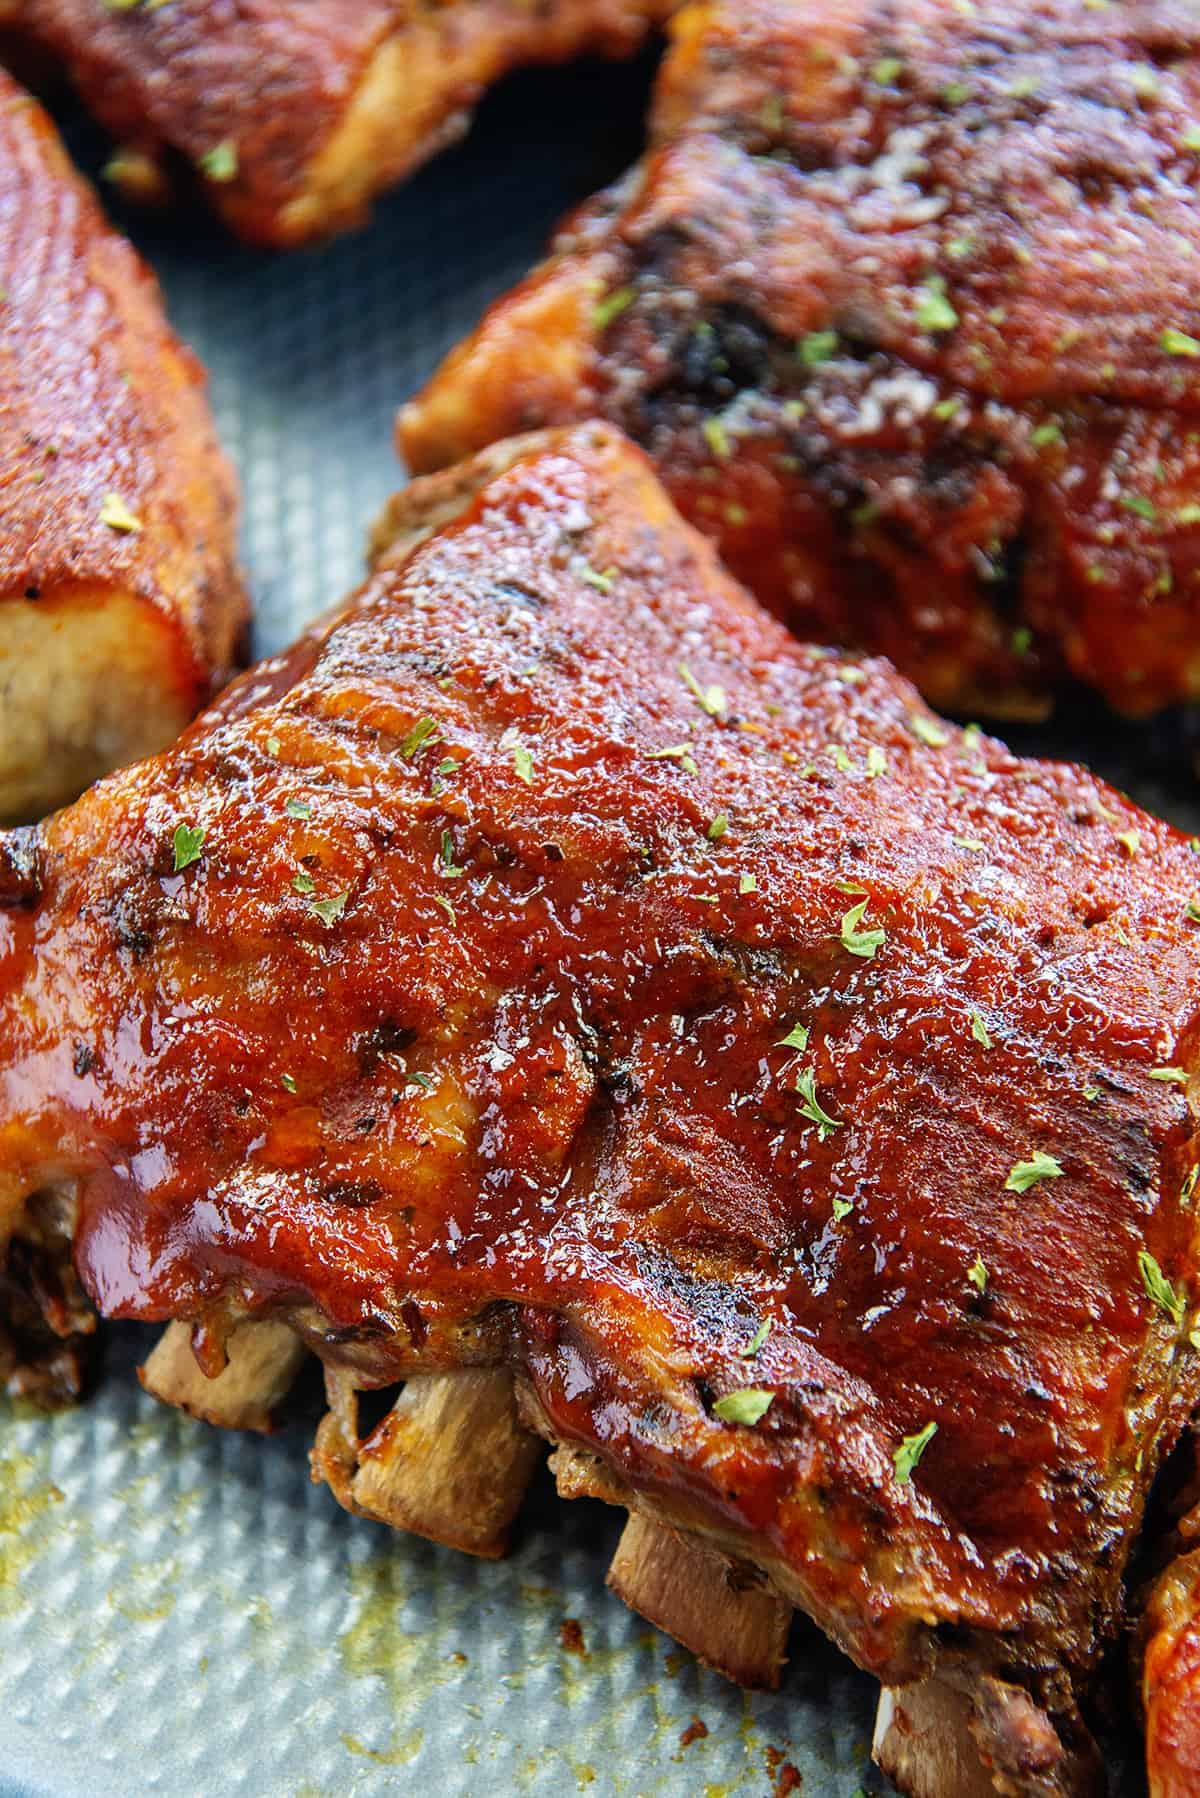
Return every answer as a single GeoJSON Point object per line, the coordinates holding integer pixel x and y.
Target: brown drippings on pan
{"type": "Point", "coordinates": [570, 1632]}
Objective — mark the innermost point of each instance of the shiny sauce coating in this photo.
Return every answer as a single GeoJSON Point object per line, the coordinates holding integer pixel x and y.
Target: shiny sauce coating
{"type": "Point", "coordinates": [553, 941]}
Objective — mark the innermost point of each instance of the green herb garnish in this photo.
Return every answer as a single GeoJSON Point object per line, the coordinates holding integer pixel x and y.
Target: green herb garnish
{"type": "Point", "coordinates": [709, 699]}
{"type": "Point", "coordinates": [817, 347]}
{"type": "Point", "coordinates": [1178, 343]}
{"type": "Point", "coordinates": [450, 868]}
{"type": "Point", "coordinates": [117, 516]}
{"type": "Point", "coordinates": [718, 827]}
{"type": "Point", "coordinates": [977, 1274]}
{"type": "Point", "coordinates": [1170, 1076]}
{"type": "Point", "coordinates": [1159, 1288]}
{"type": "Point", "coordinates": [812, 1109]}
{"type": "Point", "coordinates": [523, 764]}
{"type": "Point", "coordinates": [746, 1405]}
{"type": "Point", "coordinates": [330, 910]}
{"type": "Point", "coordinates": [933, 310]}
{"type": "Point", "coordinates": [796, 1038]}
{"type": "Point", "coordinates": [756, 1341]}
{"type": "Point", "coordinates": [188, 841]}
{"type": "Point", "coordinates": [1027, 1173]}
{"type": "Point", "coordinates": [979, 1030]}
{"type": "Point", "coordinates": [928, 732]}
{"type": "Point", "coordinates": [612, 306]}
{"type": "Point", "coordinates": [221, 162]}
{"type": "Point", "coordinates": [861, 942]}
{"type": "Point", "coordinates": [298, 808]}
{"type": "Point", "coordinates": [421, 732]}
{"type": "Point", "coordinates": [905, 1458]}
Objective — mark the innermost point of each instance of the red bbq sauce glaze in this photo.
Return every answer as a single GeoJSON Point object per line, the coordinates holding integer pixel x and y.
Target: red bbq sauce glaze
{"type": "Point", "coordinates": [564, 938]}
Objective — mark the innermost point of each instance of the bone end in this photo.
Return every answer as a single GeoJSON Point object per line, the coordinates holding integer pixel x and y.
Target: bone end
{"type": "Point", "coordinates": [692, 1593]}
{"type": "Point", "coordinates": [450, 1461]}
{"type": "Point", "coordinates": [264, 1359]}
{"type": "Point", "coordinates": [923, 1742]}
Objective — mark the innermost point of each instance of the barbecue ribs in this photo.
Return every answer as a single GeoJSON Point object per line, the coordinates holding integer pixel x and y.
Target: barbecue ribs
{"type": "Point", "coordinates": [296, 115]}
{"type": "Point", "coordinates": [120, 602]}
{"type": "Point", "coordinates": [549, 970]}
{"type": "Point", "coordinates": [902, 301]}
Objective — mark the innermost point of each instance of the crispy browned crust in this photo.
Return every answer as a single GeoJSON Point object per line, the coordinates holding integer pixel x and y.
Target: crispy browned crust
{"type": "Point", "coordinates": [323, 103]}
{"type": "Point", "coordinates": [451, 1057]}
{"type": "Point", "coordinates": [110, 638]}
{"type": "Point", "coordinates": [903, 303]}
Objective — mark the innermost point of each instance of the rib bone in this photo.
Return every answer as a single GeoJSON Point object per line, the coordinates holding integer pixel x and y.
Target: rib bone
{"type": "Point", "coordinates": [264, 1358]}
{"type": "Point", "coordinates": [450, 1461]}
{"type": "Point", "coordinates": [691, 1592]}
{"type": "Point", "coordinates": [936, 1739]}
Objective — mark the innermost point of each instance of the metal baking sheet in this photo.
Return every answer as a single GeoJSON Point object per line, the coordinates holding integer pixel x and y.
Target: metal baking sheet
{"type": "Point", "coordinates": [182, 1611]}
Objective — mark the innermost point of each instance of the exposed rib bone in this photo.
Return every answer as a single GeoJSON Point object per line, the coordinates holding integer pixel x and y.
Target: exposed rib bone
{"type": "Point", "coordinates": [924, 1744]}
{"type": "Point", "coordinates": [691, 1592]}
{"type": "Point", "coordinates": [450, 1461]}
{"type": "Point", "coordinates": [264, 1358]}
{"type": "Point", "coordinates": [937, 1740]}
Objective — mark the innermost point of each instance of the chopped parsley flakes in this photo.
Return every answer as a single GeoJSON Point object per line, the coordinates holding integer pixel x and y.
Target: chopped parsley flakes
{"type": "Point", "coordinates": [979, 1029]}
{"type": "Point", "coordinates": [811, 1108]}
{"type": "Point", "coordinates": [1159, 1288]}
{"type": "Point", "coordinates": [298, 808]}
{"type": "Point", "coordinates": [422, 732]}
{"type": "Point", "coordinates": [861, 942]}
{"type": "Point", "coordinates": [718, 827]}
{"type": "Point", "coordinates": [449, 866]}
{"type": "Point", "coordinates": [1178, 343]}
{"type": "Point", "coordinates": [977, 1274]}
{"type": "Point", "coordinates": [187, 842]}
{"type": "Point", "coordinates": [756, 1341]}
{"type": "Point", "coordinates": [709, 699]}
{"type": "Point", "coordinates": [1170, 1076]}
{"type": "Point", "coordinates": [523, 764]}
{"type": "Point", "coordinates": [905, 1458]}
{"type": "Point", "coordinates": [746, 1405]}
{"type": "Point", "coordinates": [817, 347]}
{"type": "Point", "coordinates": [933, 311]}
{"type": "Point", "coordinates": [117, 516]}
{"type": "Point", "coordinates": [330, 910]}
{"type": "Point", "coordinates": [677, 752]}
{"type": "Point", "coordinates": [796, 1038]}
{"type": "Point", "coordinates": [1027, 1173]}
{"type": "Point", "coordinates": [842, 1209]}
{"type": "Point", "coordinates": [221, 162]}
{"type": "Point", "coordinates": [612, 306]}
{"type": "Point", "coordinates": [927, 731]}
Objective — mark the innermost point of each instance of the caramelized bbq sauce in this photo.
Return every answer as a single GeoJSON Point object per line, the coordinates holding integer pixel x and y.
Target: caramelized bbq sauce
{"type": "Point", "coordinates": [110, 471]}
{"type": "Point", "coordinates": [511, 886]}
{"type": "Point", "coordinates": [902, 302]}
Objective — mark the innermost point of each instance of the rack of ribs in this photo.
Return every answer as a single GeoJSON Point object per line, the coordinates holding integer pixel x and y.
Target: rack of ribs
{"type": "Point", "coordinates": [902, 302]}
{"type": "Point", "coordinates": [551, 986]}
{"type": "Point", "coordinates": [121, 607]}
{"type": "Point", "coordinates": [295, 117]}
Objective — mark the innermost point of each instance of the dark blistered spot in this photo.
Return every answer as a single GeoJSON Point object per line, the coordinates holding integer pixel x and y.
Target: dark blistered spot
{"type": "Point", "coordinates": [355, 1194]}
{"type": "Point", "coordinates": [83, 1060]}
{"type": "Point", "coordinates": [387, 1038]}
{"type": "Point", "coordinates": [414, 1322]}
{"type": "Point", "coordinates": [519, 594]}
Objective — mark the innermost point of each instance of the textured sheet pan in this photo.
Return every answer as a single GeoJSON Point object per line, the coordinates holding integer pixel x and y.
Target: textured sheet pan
{"type": "Point", "coordinates": [181, 1612]}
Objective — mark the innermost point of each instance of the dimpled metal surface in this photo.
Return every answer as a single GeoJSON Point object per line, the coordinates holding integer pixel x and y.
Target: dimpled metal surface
{"type": "Point", "coordinates": [182, 1612]}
